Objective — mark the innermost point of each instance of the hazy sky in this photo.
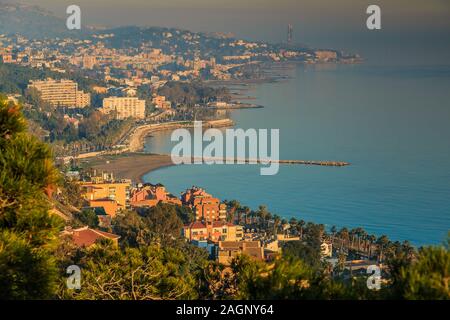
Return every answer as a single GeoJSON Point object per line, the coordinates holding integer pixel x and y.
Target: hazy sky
{"type": "Point", "coordinates": [322, 23]}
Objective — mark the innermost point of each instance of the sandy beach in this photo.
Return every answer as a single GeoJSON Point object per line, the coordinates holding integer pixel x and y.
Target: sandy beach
{"type": "Point", "coordinates": [132, 164]}
{"type": "Point", "coordinates": [129, 166]}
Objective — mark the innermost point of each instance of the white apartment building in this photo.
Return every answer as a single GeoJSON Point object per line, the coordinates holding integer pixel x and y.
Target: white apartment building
{"type": "Point", "coordinates": [61, 93]}
{"type": "Point", "coordinates": [124, 107]}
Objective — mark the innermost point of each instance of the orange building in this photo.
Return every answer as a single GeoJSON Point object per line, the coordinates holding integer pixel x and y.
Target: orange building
{"type": "Point", "coordinates": [204, 205]}
{"type": "Point", "coordinates": [118, 191]}
{"type": "Point", "coordinates": [6, 58]}
{"type": "Point", "coordinates": [104, 191]}
{"type": "Point", "coordinates": [214, 231]}
{"type": "Point", "coordinates": [196, 231]}
{"type": "Point", "coordinates": [160, 102]}
{"type": "Point", "coordinates": [111, 206]}
{"type": "Point", "coordinates": [150, 195]}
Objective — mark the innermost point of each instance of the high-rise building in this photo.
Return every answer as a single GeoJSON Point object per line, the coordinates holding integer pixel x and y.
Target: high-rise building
{"type": "Point", "coordinates": [290, 33]}
{"type": "Point", "coordinates": [61, 93]}
{"type": "Point", "coordinates": [124, 107]}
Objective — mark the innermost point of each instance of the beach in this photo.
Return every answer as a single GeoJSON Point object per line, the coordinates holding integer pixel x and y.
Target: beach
{"type": "Point", "coordinates": [130, 165]}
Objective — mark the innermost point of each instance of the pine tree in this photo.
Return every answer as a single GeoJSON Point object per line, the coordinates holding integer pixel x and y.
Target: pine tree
{"type": "Point", "coordinates": [28, 233]}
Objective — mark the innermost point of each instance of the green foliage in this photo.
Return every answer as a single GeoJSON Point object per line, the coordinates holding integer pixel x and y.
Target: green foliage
{"type": "Point", "coordinates": [159, 224]}
{"type": "Point", "coordinates": [163, 222]}
{"type": "Point", "coordinates": [26, 272]}
{"type": "Point", "coordinates": [70, 193]}
{"type": "Point", "coordinates": [88, 217]}
{"type": "Point", "coordinates": [131, 229]}
{"type": "Point", "coordinates": [303, 251]}
{"type": "Point", "coordinates": [133, 274]}
{"type": "Point", "coordinates": [425, 278]}
{"type": "Point", "coordinates": [28, 231]}
{"type": "Point", "coordinates": [192, 93]}
{"type": "Point", "coordinates": [15, 78]}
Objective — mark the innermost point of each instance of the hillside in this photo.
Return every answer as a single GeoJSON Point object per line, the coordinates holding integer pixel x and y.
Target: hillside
{"type": "Point", "coordinates": [31, 22]}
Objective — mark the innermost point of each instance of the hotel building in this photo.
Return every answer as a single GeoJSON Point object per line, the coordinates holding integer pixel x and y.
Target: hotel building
{"type": "Point", "coordinates": [124, 107]}
{"type": "Point", "coordinates": [61, 93]}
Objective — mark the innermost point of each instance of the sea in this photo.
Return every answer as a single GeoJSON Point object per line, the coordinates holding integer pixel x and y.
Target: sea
{"type": "Point", "coordinates": [392, 123]}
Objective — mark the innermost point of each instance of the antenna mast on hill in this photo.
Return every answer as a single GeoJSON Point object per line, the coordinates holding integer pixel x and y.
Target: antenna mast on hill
{"type": "Point", "coordinates": [289, 34]}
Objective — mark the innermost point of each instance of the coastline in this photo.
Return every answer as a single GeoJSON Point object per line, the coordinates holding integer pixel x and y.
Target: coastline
{"type": "Point", "coordinates": [137, 137]}
{"type": "Point", "coordinates": [130, 165]}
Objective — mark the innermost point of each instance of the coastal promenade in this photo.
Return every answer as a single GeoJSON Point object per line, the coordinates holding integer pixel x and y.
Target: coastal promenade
{"type": "Point", "coordinates": [137, 137]}
{"type": "Point", "coordinates": [134, 141]}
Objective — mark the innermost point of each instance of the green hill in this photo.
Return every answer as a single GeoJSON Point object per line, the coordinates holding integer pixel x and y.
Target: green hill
{"type": "Point", "coordinates": [32, 22]}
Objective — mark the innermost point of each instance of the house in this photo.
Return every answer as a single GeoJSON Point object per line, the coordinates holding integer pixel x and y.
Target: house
{"type": "Point", "coordinates": [229, 250]}
{"type": "Point", "coordinates": [86, 237]}
{"type": "Point", "coordinates": [214, 231]}
{"type": "Point", "coordinates": [150, 195]}
{"type": "Point", "coordinates": [160, 102]}
{"type": "Point", "coordinates": [224, 231]}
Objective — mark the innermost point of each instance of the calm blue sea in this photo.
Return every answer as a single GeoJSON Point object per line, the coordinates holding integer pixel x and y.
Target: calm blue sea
{"type": "Point", "coordinates": [391, 123]}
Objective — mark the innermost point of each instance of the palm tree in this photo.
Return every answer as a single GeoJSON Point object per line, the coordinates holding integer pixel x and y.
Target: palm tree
{"type": "Point", "coordinates": [341, 262]}
{"type": "Point", "coordinates": [382, 243]}
{"type": "Point", "coordinates": [293, 221]}
{"type": "Point", "coordinates": [372, 240]}
{"type": "Point", "coordinates": [276, 223]}
{"type": "Point", "coordinates": [233, 206]}
{"type": "Point", "coordinates": [333, 230]}
{"type": "Point", "coordinates": [352, 234]}
{"type": "Point", "coordinates": [262, 213]}
{"type": "Point", "coordinates": [300, 226]}
{"type": "Point", "coordinates": [359, 233]}
{"type": "Point", "coordinates": [408, 249]}
{"type": "Point", "coordinates": [344, 235]}
{"type": "Point", "coordinates": [246, 211]}
{"type": "Point", "coordinates": [362, 236]}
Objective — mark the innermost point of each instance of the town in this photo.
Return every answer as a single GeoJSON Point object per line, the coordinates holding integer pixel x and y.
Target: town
{"type": "Point", "coordinates": [71, 106]}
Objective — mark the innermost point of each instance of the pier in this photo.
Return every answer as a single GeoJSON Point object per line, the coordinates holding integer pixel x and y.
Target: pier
{"type": "Point", "coordinates": [325, 163]}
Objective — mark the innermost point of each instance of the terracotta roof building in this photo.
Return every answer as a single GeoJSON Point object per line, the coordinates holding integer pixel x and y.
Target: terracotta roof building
{"type": "Point", "coordinates": [228, 250]}
{"type": "Point", "coordinates": [86, 237]}
{"type": "Point", "coordinates": [150, 195]}
{"type": "Point", "coordinates": [214, 231]}
{"type": "Point", "coordinates": [204, 205]}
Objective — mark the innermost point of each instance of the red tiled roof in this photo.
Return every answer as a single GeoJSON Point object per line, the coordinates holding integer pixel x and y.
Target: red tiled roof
{"type": "Point", "coordinates": [85, 237]}
{"type": "Point", "coordinates": [197, 225]}
{"type": "Point", "coordinates": [217, 224]}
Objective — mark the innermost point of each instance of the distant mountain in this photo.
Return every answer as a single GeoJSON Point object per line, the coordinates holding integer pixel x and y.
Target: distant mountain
{"type": "Point", "coordinates": [32, 22]}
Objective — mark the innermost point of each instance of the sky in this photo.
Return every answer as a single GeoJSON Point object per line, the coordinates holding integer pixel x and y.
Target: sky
{"type": "Point", "coordinates": [421, 27]}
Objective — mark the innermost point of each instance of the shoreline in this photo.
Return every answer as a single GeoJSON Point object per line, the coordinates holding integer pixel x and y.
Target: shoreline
{"type": "Point", "coordinates": [132, 166]}
{"type": "Point", "coordinates": [136, 165]}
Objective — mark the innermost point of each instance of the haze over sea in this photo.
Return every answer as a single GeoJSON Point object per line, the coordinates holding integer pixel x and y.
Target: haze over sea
{"type": "Point", "coordinates": [391, 123]}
